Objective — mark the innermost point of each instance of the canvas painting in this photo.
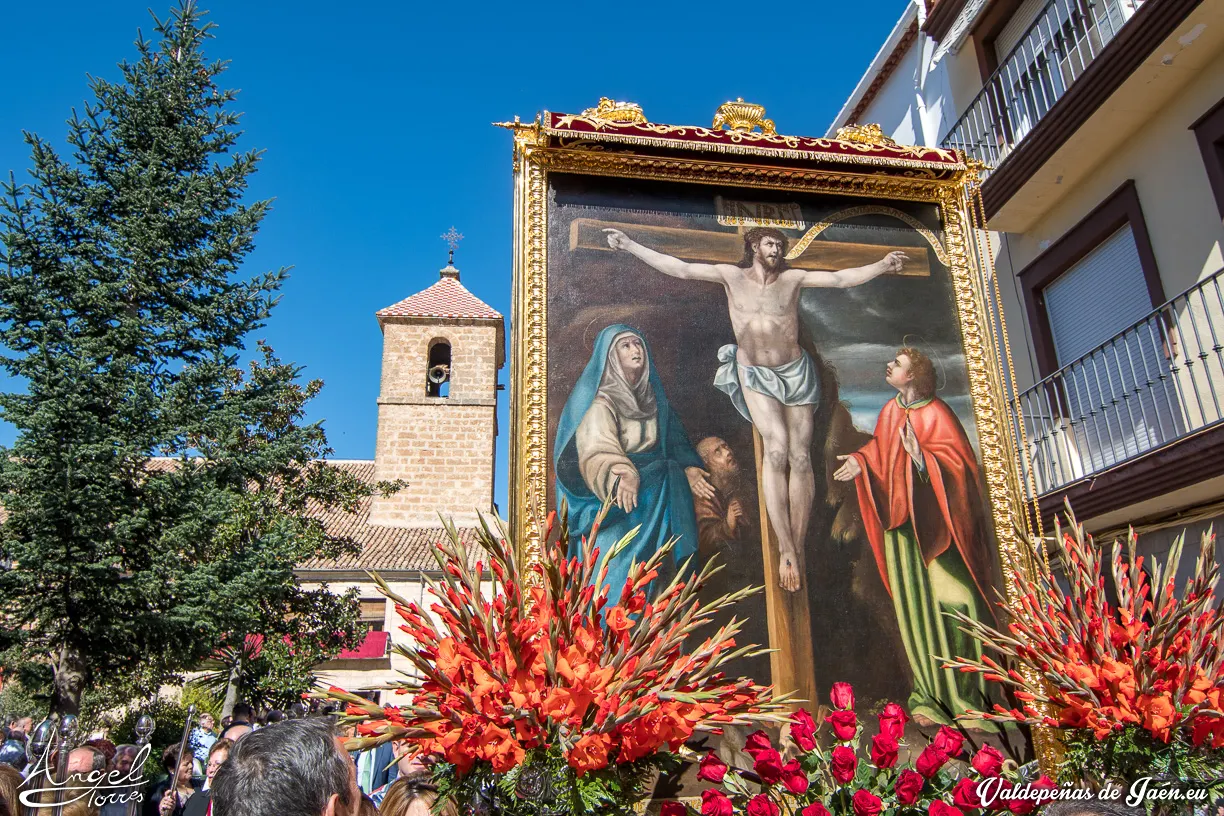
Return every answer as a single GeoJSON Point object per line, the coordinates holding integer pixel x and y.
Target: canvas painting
{"type": "Point", "coordinates": [777, 380]}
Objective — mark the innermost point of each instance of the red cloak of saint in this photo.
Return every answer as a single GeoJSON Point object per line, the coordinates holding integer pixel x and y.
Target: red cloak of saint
{"type": "Point", "coordinates": [949, 510]}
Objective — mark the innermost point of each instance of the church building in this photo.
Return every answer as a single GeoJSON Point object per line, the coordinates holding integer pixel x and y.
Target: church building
{"type": "Point", "coordinates": [437, 429]}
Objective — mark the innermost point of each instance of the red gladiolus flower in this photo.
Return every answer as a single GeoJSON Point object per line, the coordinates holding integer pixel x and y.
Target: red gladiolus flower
{"type": "Point", "coordinates": [590, 753]}
{"type": "Point", "coordinates": [757, 742]}
{"type": "Point", "coordinates": [794, 778]}
{"type": "Point", "coordinates": [965, 794]}
{"type": "Point", "coordinates": [803, 730]}
{"type": "Point", "coordinates": [815, 809]}
{"type": "Point", "coordinates": [843, 764]}
{"type": "Point", "coordinates": [762, 805]}
{"type": "Point", "coordinates": [844, 724]}
{"type": "Point", "coordinates": [842, 696]}
{"type": "Point", "coordinates": [892, 721]}
{"type": "Point", "coordinates": [883, 751]}
{"type": "Point", "coordinates": [673, 809]}
{"type": "Point", "coordinates": [712, 769]}
{"type": "Point", "coordinates": [715, 803]}
{"type": "Point", "coordinates": [930, 761]}
{"type": "Point", "coordinates": [909, 787]}
{"type": "Point", "coordinates": [866, 803]}
{"type": "Point", "coordinates": [768, 766]}
{"type": "Point", "coordinates": [949, 740]}
{"type": "Point", "coordinates": [988, 761]}
{"type": "Point", "coordinates": [941, 808]}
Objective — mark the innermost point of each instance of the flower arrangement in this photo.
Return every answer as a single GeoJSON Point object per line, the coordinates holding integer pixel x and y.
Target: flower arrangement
{"type": "Point", "coordinates": [1134, 685]}
{"type": "Point", "coordinates": [844, 779]}
{"type": "Point", "coordinates": [539, 690]}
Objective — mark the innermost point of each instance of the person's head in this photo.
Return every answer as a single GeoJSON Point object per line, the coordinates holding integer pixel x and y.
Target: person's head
{"type": "Point", "coordinates": [207, 722]}
{"type": "Point", "coordinates": [911, 369]}
{"type": "Point", "coordinates": [717, 456]}
{"type": "Point", "coordinates": [225, 722]}
{"type": "Point", "coordinates": [125, 755]}
{"type": "Point", "coordinates": [409, 795]}
{"type": "Point", "coordinates": [630, 354]}
{"type": "Point", "coordinates": [10, 788]}
{"type": "Point", "coordinates": [170, 757]}
{"type": "Point", "coordinates": [243, 713]}
{"type": "Point", "coordinates": [236, 732]}
{"type": "Point", "coordinates": [766, 245]}
{"type": "Point", "coordinates": [296, 766]}
{"type": "Point", "coordinates": [217, 754]}
{"type": "Point", "coordinates": [274, 716]}
{"type": "Point", "coordinates": [23, 724]}
{"type": "Point", "coordinates": [85, 760]}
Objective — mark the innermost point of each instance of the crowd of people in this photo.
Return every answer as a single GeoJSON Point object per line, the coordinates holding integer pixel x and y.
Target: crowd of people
{"type": "Point", "coordinates": [244, 767]}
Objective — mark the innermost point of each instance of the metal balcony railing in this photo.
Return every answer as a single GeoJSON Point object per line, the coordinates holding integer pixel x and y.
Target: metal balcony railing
{"type": "Point", "coordinates": [1158, 381]}
{"type": "Point", "coordinates": [1064, 40]}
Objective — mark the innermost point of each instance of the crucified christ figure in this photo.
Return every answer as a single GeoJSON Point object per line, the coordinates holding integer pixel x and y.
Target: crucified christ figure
{"type": "Point", "coordinates": [771, 380]}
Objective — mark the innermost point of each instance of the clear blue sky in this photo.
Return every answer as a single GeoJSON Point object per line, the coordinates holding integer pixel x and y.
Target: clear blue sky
{"type": "Point", "coordinates": [376, 122]}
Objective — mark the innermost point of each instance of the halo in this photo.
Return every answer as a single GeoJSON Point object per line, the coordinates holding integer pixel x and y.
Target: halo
{"type": "Point", "coordinates": [919, 342]}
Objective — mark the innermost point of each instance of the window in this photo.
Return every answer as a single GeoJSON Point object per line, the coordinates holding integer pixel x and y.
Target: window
{"type": "Point", "coordinates": [1209, 131]}
{"type": "Point", "coordinates": [1099, 344]}
{"type": "Point", "coordinates": [438, 372]}
{"type": "Point", "coordinates": [372, 614]}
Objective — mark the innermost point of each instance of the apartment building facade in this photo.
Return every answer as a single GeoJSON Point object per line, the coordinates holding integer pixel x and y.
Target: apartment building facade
{"type": "Point", "coordinates": [1101, 123]}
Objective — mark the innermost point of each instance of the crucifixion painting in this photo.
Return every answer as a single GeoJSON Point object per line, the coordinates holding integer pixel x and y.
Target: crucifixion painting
{"type": "Point", "coordinates": [714, 363]}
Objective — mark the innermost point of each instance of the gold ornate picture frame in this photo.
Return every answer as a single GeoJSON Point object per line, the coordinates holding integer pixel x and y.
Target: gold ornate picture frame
{"type": "Point", "coordinates": [614, 147]}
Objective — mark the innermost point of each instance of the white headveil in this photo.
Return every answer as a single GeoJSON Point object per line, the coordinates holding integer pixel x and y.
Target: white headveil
{"type": "Point", "coordinates": [631, 400]}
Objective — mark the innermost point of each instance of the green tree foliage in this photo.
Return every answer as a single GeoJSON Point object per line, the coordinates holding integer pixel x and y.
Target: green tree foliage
{"type": "Point", "coordinates": [158, 494]}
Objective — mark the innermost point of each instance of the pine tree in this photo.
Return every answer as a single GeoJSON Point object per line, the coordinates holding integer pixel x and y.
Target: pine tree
{"type": "Point", "coordinates": [156, 494]}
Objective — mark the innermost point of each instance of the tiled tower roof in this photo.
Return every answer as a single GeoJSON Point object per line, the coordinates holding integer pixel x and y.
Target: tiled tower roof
{"type": "Point", "coordinates": [448, 298]}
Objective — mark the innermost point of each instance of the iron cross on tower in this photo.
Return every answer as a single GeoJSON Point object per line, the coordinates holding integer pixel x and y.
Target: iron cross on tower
{"type": "Point", "coordinates": [452, 237]}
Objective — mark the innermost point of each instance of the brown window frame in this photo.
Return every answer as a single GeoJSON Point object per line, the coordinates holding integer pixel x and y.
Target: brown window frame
{"type": "Point", "coordinates": [1120, 208]}
{"type": "Point", "coordinates": [1209, 132]}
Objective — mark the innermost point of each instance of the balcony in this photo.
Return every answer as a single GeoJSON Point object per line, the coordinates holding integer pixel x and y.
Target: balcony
{"type": "Point", "coordinates": [1066, 37]}
{"type": "Point", "coordinates": [1153, 390]}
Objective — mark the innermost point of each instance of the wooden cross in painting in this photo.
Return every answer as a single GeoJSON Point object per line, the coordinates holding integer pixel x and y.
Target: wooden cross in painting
{"type": "Point", "coordinates": [772, 382]}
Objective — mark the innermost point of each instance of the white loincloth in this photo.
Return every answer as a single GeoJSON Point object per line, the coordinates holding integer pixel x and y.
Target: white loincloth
{"type": "Point", "coordinates": [793, 383]}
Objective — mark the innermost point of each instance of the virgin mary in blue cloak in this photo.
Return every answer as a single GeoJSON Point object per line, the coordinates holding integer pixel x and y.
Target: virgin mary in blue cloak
{"type": "Point", "coordinates": [617, 423]}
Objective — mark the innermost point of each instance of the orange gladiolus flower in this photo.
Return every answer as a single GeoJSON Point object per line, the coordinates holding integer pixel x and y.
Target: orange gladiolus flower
{"type": "Point", "coordinates": [617, 619]}
{"type": "Point", "coordinates": [590, 753]}
{"type": "Point", "coordinates": [1159, 715]}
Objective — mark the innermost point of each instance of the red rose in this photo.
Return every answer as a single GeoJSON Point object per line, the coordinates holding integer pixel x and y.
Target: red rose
{"type": "Point", "coordinates": [768, 766]}
{"type": "Point", "coordinates": [815, 809]}
{"type": "Point", "coordinates": [866, 803]}
{"type": "Point", "coordinates": [803, 730]}
{"type": "Point", "coordinates": [930, 761]}
{"type": "Point", "coordinates": [843, 764]}
{"type": "Point", "coordinates": [941, 808]}
{"type": "Point", "coordinates": [988, 761]}
{"type": "Point", "coordinates": [842, 696]}
{"type": "Point", "coordinates": [892, 721]}
{"type": "Point", "coordinates": [909, 787]}
{"type": "Point", "coordinates": [711, 769]}
{"type": "Point", "coordinates": [715, 803]}
{"type": "Point", "coordinates": [965, 794]}
{"type": "Point", "coordinates": [1028, 805]}
{"type": "Point", "coordinates": [673, 809]}
{"type": "Point", "coordinates": [883, 751]}
{"type": "Point", "coordinates": [844, 724]}
{"type": "Point", "coordinates": [757, 741]}
{"type": "Point", "coordinates": [794, 778]}
{"type": "Point", "coordinates": [950, 741]}
{"type": "Point", "coordinates": [762, 805]}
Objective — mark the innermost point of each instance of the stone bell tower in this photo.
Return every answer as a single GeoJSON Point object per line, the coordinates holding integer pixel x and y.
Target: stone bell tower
{"type": "Point", "coordinates": [437, 407]}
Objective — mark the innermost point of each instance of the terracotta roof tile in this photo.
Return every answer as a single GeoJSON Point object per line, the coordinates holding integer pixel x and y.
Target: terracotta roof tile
{"type": "Point", "coordinates": [446, 298]}
{"type": "Point", "coordinates": [382, 547]}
